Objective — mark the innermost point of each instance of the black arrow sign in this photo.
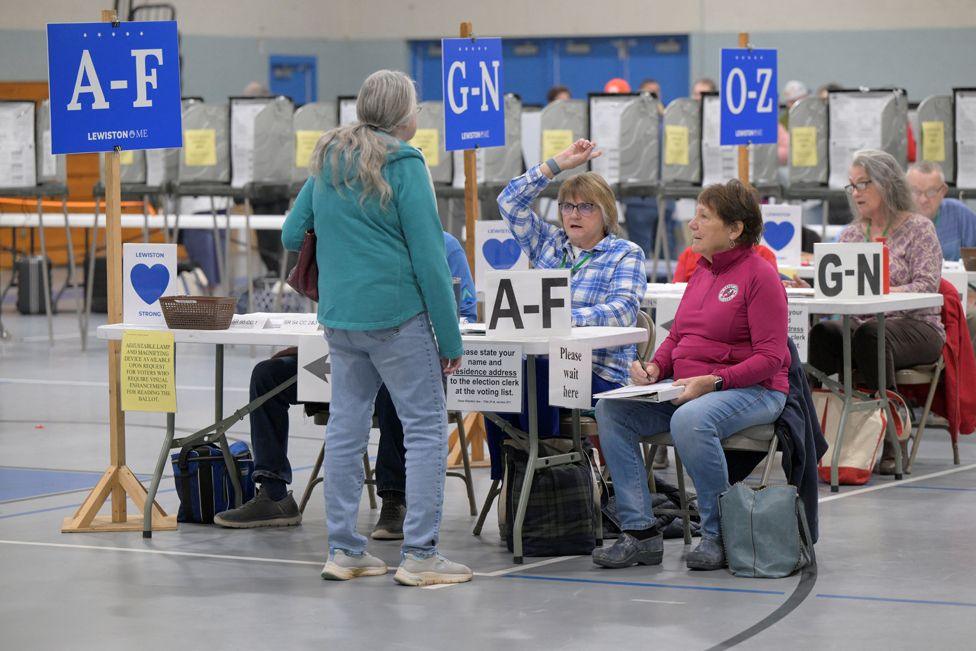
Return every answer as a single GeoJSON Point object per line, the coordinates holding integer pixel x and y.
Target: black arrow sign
{"type": "Point", "coordinates": [320, 368]}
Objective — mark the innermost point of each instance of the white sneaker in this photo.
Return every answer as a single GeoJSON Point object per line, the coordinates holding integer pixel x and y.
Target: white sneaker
{"type": "Point", "coordinates": [433, 570]}
{"type": "Point", "coordinates": [342, 566]}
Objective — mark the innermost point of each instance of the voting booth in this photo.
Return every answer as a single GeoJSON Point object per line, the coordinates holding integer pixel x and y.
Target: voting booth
{"type": "Point", "coordinates": [206, 143]}
{"type": "Point", "coordinates": [51, 168]}
{"type": "Point", "coordinates": [562, 123]}
{"type": "Point", "coordinates": [502, 164]}
{"type": "Point", "coordinates": [964, 103]}
{"type": "Point", "coordinates": [132, 167]}
{"type": "Point", "coordinates": [865, 119]}
{"type": "Point", "coordinates": [640, 140]}
{"type": "Point", "coordinates": [18, 156]}
{"type": "Point", "coordinates": [430, 140]}
{"type": "Point", "coordinates": [681, 152]}
{"type": "Point", "coordinates": [720, 163]}
{"type": "Point", "coordinates": [309, 122]}
{"type": "Point", "coordinates": [261, 146]}
{"type": "Point", "coordinates": [807, 159]}
{"type": "Point", "coordinates": [605, 110]}
{"type": "Point", "coordinates": [936, 134]}
{"type": "Point", "coordinates": [347, 110]}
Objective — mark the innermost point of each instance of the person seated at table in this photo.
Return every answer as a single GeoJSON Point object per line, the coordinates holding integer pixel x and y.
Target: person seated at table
{"type": "Point", "coordinates": [273, 504]}
{"type": "Point", "coordinates": [607, 272]}
{"type": "Point", "coordinates": [688, 262]}
{"type": "Point", "coordinates": [728, 349]}
{"type": "Point", "coordinates": [881, 199]}
{"type": "Point", "coordinates": [955, 222]}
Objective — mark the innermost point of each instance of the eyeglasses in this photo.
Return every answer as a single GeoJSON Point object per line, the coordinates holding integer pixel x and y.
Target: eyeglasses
{"type": "Point", "coordinates": [584, 209]}
{"type": "Point", "coordinates": [929, 194]}
{"type": "Point", "coordinates": [860, 186]}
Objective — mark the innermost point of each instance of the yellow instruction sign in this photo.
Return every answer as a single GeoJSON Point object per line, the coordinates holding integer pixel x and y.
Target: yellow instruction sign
{"type": "Point", "coordinates": [428, 141]}
{"type": "Point", "coordinates": [554, 141]}
{"type": "Point", "coordinates": [199, 147]}
{"type": "Point", "coordinates": [675, 145]}
{"type": "Point", "coordinates": [933, 141]}
{"type": "Point", "coordinates": [305, 141]}
{"type": "Point", "coordinates": [127, 157]}
{"type": "Point", "coordinates": [803, 146]}
{"type": "Point", "coordinates": [148, 371]}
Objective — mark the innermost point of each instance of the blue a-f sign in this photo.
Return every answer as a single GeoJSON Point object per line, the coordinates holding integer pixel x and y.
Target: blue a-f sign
{"type": "Point", "coordinates": [749, 101]}
{"type": "Point", "coordinates": [114, 85]}
{"type": "Point", "coordinates": [474, 104]}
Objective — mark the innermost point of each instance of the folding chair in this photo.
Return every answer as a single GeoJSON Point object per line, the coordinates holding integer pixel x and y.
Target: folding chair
{"type": "Point", "coordinates": [929, 374]}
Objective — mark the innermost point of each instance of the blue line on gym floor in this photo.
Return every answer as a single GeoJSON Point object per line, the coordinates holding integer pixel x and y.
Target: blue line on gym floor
{"type": "Point", "coordinates": [939, 488]}
{"type": "Point", "coordinates": [642, 584]}
{"type": "Point", "coordinates": [926, 602]}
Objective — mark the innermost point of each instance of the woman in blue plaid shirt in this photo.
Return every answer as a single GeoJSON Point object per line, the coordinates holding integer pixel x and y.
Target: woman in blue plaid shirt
{"type": "Point", "coordinates": [608, 276]}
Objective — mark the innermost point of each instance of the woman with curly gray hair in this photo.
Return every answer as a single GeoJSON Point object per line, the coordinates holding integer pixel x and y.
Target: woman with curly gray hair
{"type": "Point", "coordinates": [882, 204]}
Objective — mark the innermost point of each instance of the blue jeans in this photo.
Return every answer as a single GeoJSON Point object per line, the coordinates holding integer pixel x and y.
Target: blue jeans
{"type": "Point", "coordinates": [642, 215]}
{"type": "Point", "coordinates": [405, 358]}
{"type": "Point", "coordinates": [697, 427]}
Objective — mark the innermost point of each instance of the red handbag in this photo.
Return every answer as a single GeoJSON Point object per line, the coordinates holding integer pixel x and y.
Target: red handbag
{"type": "Point", "coordinates": [304, 276]}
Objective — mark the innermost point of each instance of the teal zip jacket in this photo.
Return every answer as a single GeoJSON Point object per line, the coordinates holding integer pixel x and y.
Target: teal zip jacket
{"type": "Point", "coordinates": [378, 266]}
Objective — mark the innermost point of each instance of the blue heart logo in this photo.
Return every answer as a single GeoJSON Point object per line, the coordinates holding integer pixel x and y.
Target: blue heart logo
{"type": "Point", "coordinates": [501, 254]}
{"type": "Point", "coordinates": [779, 234]}
{"type": "Point", "coordinates": [149, 282]}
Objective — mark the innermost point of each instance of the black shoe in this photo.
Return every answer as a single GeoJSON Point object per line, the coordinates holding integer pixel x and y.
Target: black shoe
{"type": "Point", "coordinates": [262, 511]}
{"type": "Point", "coordinates": [708, 555]}
{"type": "Point", "coordinates": [390, 524]}
{"type": "Point", "coordinates": [628, 551]}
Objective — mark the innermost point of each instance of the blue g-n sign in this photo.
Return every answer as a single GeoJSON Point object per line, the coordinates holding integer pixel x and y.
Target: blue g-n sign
{"type": "Point", "coordinates": [114, 86]}
{"type": "Point", "coordinates": [474, 107]}
{"type": "Point", "coordinates": [748, 91]}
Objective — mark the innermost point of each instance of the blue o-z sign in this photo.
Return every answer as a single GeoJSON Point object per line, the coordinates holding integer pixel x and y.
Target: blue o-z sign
{"type": "Point", "coordinates": [749, 100]}
{"type": "Point", "coordinates": [474, 105]}
{"type": "Point", "coordinates": [114, 86]}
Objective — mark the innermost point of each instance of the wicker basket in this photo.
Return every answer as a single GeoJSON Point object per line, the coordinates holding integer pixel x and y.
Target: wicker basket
{"type": "Point", "coordinates": [197, 312]}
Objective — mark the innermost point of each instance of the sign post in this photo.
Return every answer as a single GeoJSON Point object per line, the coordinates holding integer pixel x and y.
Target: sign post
{"type": "Point", "coordinates": [749, 100]}
{"type": "Point", "coordinates": [114, 86]}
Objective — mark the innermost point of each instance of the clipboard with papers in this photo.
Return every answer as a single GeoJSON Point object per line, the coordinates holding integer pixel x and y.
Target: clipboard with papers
{"type": "Point", "coordinates": [658, 392]}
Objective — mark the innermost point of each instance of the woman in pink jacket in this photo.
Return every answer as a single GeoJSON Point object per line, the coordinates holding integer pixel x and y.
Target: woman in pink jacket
{"type": "Point", "coordinates": [728, 348]}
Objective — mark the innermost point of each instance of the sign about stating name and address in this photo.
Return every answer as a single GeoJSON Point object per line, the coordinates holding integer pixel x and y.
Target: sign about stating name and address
{"type": "Point", "coordinates": [474, 106]}
{"type": "Point", "coordinates": [570, 374]}
{"type": "Point", "coordinates": [749, 99]}
{"type": "Point", "coordinates": [490, 379]}
{"type": "Point", "coordinates": [114, 86]}
{"type": "Point", "coordinates": [849, 270]}
{"type": "Point", "coordinates": [535, 302]}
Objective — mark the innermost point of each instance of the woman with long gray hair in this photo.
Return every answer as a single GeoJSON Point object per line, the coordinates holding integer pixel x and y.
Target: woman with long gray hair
{"type": "Point", "coordinates": [882, 204]}
{"type": "Point", "coordinates": [387, 305]}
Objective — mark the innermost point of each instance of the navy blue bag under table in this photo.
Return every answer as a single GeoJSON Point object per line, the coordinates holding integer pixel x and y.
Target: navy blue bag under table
{"type": "Point", "coordinates": [203, 483]}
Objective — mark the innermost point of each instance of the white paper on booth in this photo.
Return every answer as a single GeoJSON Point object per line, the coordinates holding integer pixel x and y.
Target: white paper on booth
{"type": "Point", "coordinates": [570, 374]}
{"type": "Point", "coordinates": [148, 272]}
{"type": "Point", "coordinates": [49, 163]}
{"type": "Point", "coordinates": [347, 112]}
{"type": "Point", "coordinates": [18, 160]}
{"type": "Point", "coordinates": [314, 370]}
{"type": "Point", "coordinates": [719, 164]}
{"type": "Point", "coordinates": [605, 115]}
{"type": "Point", "coordinates": [155, 167]}
{"type": "Point", "coordinates": [966, 140]}
{"type": "Point", "coordinates": [479, 158]}
{"type": "Point", "coordinates": [855, 123]}
{"type": "Point", "coordinates": [490, 379]}
{"type": "Point", "coordinates": [531, 137]}
{"type": "Point", "coordinates": [242, 116]}
{"type": "Point", "coordinates": [495, 250]}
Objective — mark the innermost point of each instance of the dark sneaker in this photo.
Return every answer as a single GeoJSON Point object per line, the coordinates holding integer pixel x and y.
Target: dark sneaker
{"type": "Point", "coordinates": [262, 511]}
{"type": "Point", "coordinates": [433, 570]}
{"type": "Point", "coordinates": [629, 551]}
{"type": "Point", "coordinates": [660, 458]}
{"type": "Point", "coordinates": [708, 555]}
{"type": "Point", "coordinates": [342, 566]}
{"type": "Point", "coordinates": [390, 524]}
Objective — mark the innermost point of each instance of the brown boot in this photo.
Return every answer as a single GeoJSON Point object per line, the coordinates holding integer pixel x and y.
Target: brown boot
{"type": "Point", "coordinates": [887, 464]}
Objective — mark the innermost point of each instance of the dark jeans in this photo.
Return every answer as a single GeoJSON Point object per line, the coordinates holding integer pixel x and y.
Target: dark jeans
{"type": "Point", "coordinates": [908, 342]}
{"type": "Point", "coordinates": [642, 215]}
{"type": "Point", "coordinates": [269, 429]}
{"type": "Point", "coordinates": [548, 416]}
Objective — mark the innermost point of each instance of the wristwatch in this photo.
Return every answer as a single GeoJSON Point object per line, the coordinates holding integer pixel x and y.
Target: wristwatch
{"type": "Point", "coordinates": [719, 383]}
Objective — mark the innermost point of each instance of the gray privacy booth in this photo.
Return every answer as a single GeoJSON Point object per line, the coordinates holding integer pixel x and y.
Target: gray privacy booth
{"type": "Point", "coordinates": [261, 144]}
{"type": "Point", "coordinates": [206, 143]}
{"type": "Point", "coordinates": [936, 140]}
{"type": "Point", "coordinates": [640, 146]}
{"type": "Point", "coordinates": [502, 164]}
{"type": "Point", "coordinates": [559, 117]}
{"type": "Point", "coordinates": [681, 152]}
{"type": "Point", "coordinates": [309, 122]}
{"type": "Point", "coordinates": [51, 168]}
{"type": "Point", "coordinates": [865, 119]}
{"type": "Point", "coordinates": [720, 163]}
{"type": "Point", "coordinates": [808, 142]}
{"type": "Point", "coordinates": [430, 135]}
{"type": "Point", "coordinates": [132, 167]}
{"type": "Point", "coordinates": [964, 120]}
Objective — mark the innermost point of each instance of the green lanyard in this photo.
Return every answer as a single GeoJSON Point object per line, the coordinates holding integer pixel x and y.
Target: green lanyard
{"type": "Point", "coordinates": [579, 263]}
{"type": "Point", "coordinates": [867, 238]}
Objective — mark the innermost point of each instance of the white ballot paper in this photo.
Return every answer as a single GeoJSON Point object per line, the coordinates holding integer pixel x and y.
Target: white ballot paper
{"type": "Point", "coordinates": [242, 116]}
{"type": "Point", "coordinates": [658, 392]}
{"type": "Point", "coordinates": [17, 158]}
{"type": "Point", "coordinates": [855, 123]}
{"type": "Point", "coordinates": [966, 139]}
{"type": "Point", "coordinates": [719, 164]}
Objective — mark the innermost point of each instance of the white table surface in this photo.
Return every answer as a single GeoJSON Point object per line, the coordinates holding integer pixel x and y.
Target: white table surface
{"type": "Point", "coordinates": [85, 220]}
{"type": "Point", "coordinates": [592, 337]}
{"type": "Point", "coordinates": [804, 296]}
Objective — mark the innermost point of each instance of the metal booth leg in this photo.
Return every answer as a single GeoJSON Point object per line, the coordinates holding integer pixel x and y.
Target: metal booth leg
{"type": "Point", "coordinates": [221, 437]}
{"type": "Point", "coordinates": [45, 272]}
{"type": "Point", "coordinates": [890, 432]}
{"type": "Point", "coordinates": [493, 492]}
{"type": "Point", "coordinates": [530, 465]}
{"type": "Point", "coordinates": [158, 475]}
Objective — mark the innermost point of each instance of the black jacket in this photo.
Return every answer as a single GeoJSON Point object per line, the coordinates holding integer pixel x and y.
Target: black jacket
{"type": "Point", "coordinates": [800, 441]}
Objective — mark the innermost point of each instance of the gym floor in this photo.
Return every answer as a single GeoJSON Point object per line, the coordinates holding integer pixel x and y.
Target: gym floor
{"type": "Point", "coordinates": [895, 558]}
